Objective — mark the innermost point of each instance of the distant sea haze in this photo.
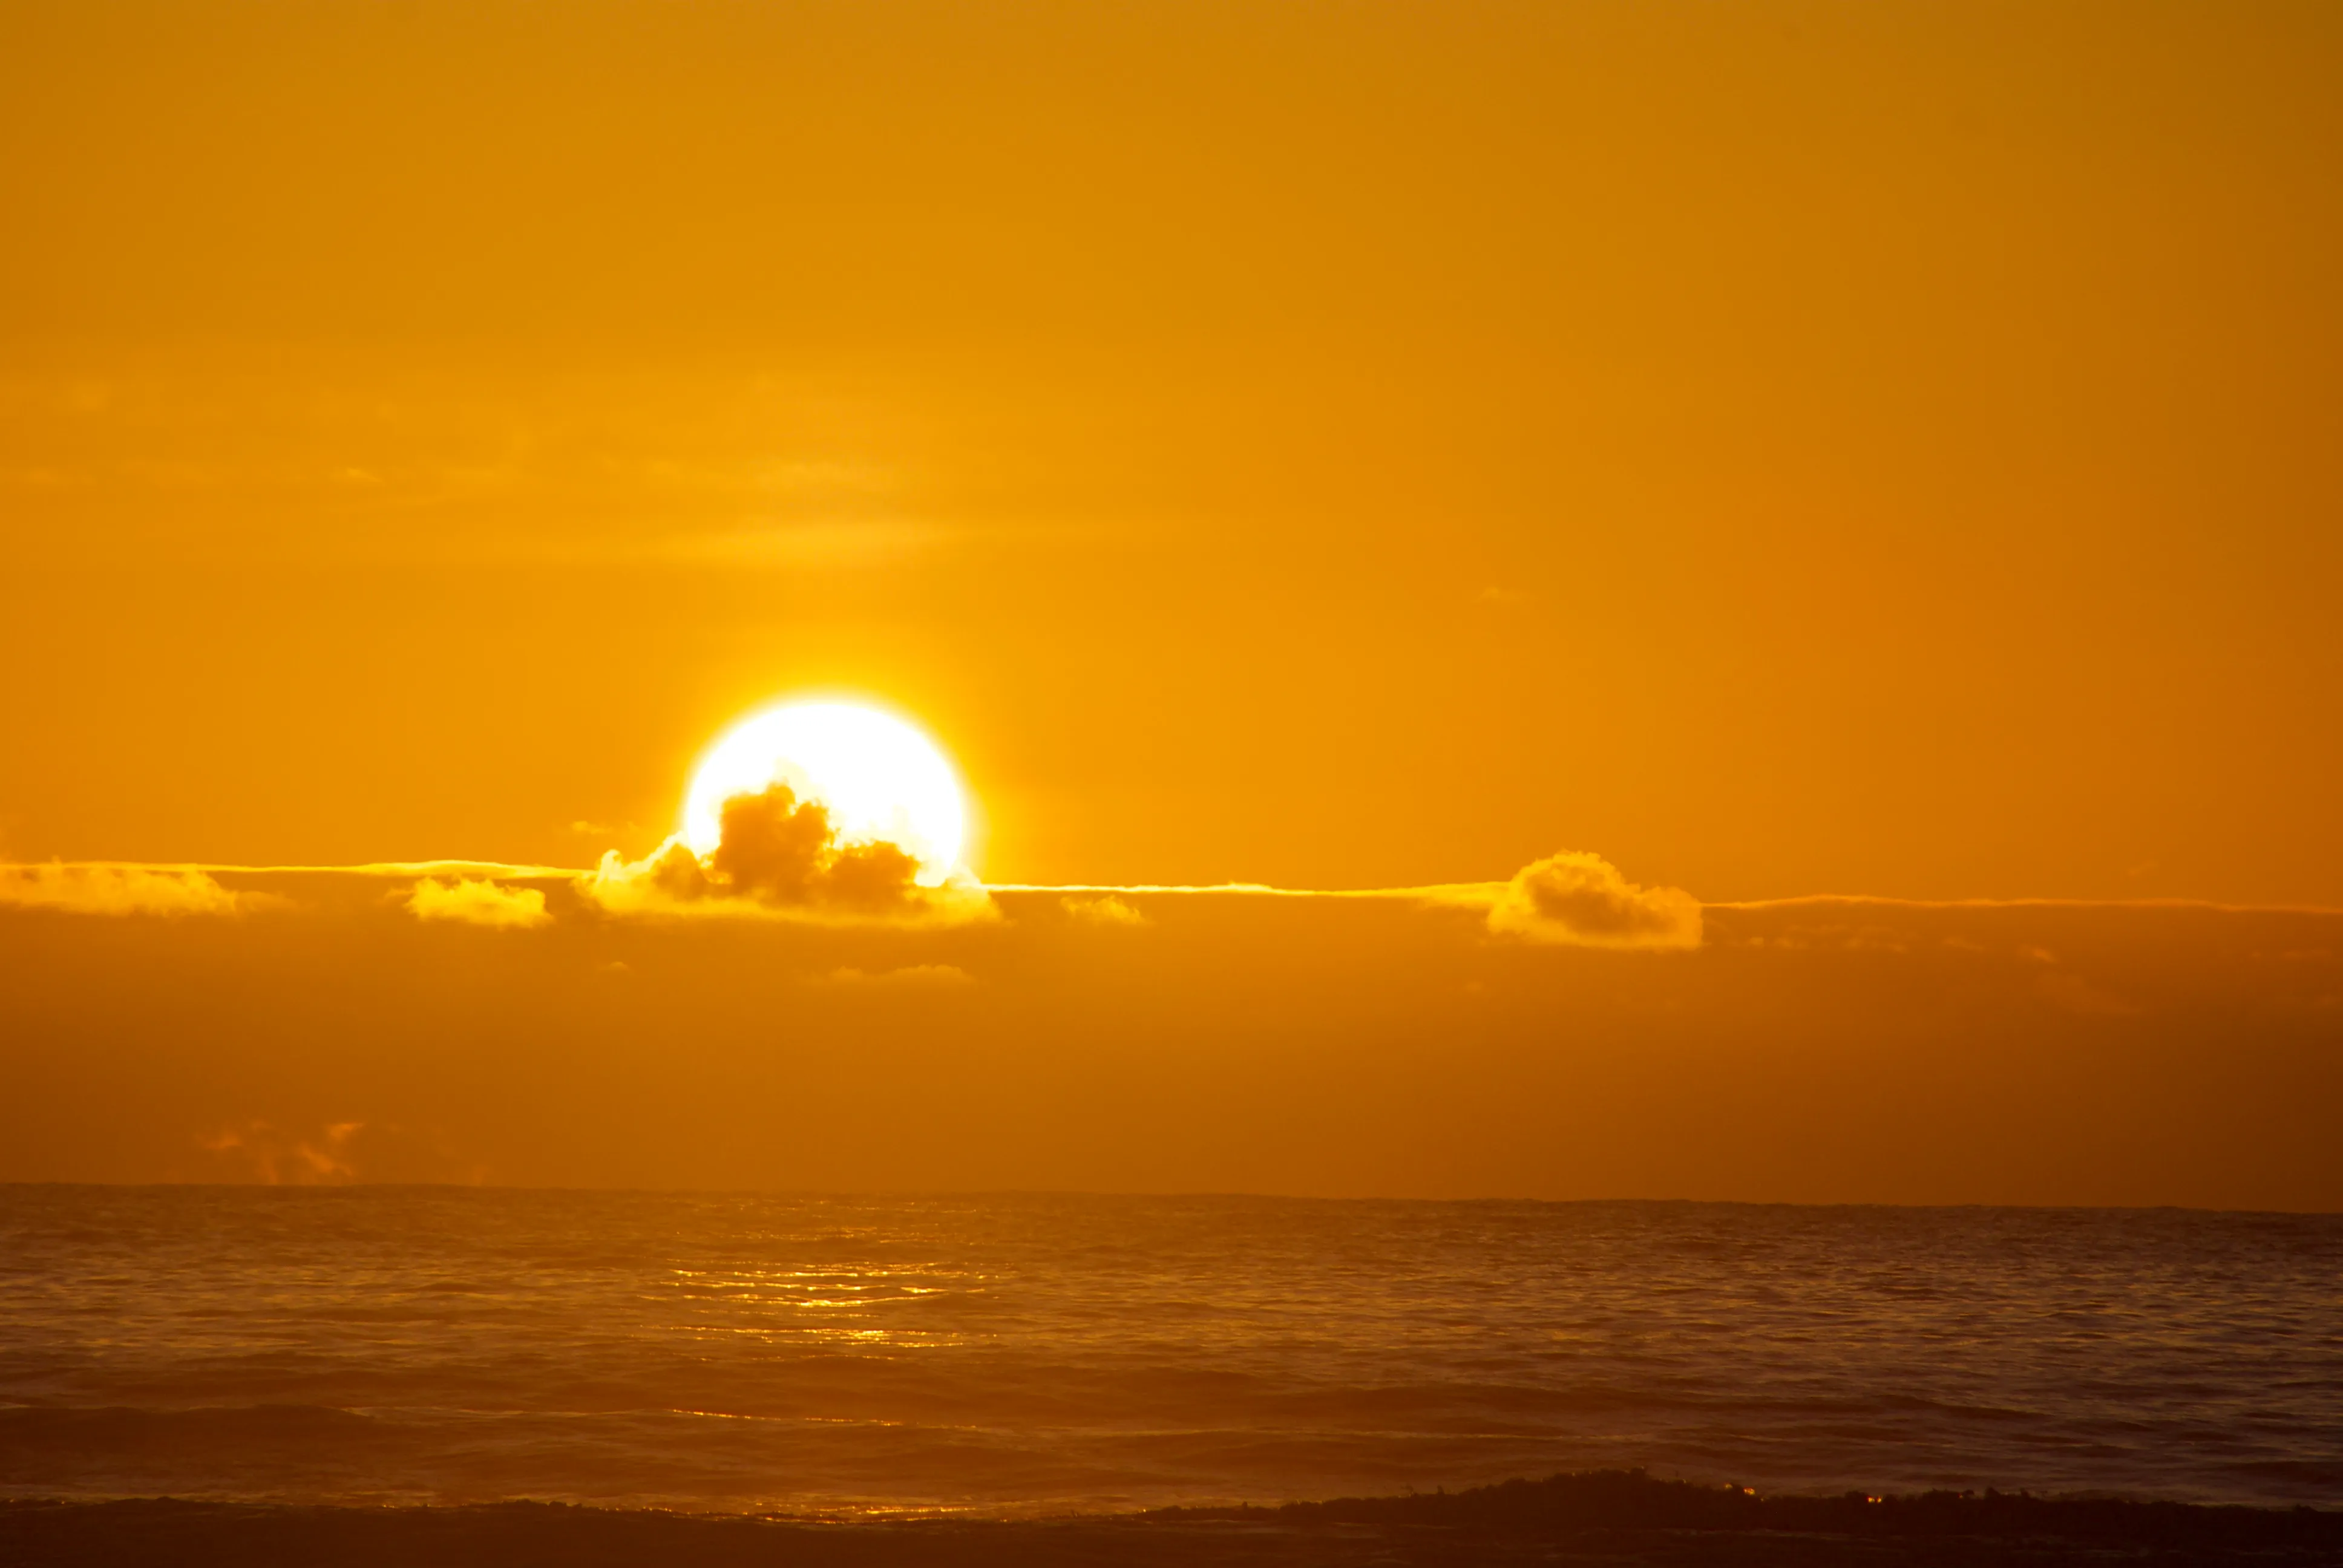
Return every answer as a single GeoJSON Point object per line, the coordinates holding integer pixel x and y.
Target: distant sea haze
{"type": "Point", "coordinates": [331, 1028]}
{"type": "Point", "coordinates": [1015, 1355]}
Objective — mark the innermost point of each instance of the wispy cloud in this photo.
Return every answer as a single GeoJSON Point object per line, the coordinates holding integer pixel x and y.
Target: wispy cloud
{"type": "Point", "coordinates": [809, 544]}
{"type": "Point", "coordinates": [1572, 898]}
{"type": "Point", "coordinates": [110, 889]}
{"type": "Point", "coordinates": [911, 977]}
{"type": "Point", "coordinates": [260, 1153]}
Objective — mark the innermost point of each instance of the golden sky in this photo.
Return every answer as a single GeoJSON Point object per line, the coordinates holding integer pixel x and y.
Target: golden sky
{"type": "Point", "coordinates": [1783, 448]}
{"type": "Point", "coordinates": [1788, 447]}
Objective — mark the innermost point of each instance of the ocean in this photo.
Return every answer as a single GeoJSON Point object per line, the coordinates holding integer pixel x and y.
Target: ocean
{"type": "Point", "coordinates": [1019, 1355]}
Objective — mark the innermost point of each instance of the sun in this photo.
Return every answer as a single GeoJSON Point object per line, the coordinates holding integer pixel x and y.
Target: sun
{"type": "Point", "coordinates": [877, 775]}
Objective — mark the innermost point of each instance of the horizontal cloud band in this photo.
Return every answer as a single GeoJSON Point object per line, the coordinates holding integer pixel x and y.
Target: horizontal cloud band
{"type": "Point", "coordinates": [779, 856]}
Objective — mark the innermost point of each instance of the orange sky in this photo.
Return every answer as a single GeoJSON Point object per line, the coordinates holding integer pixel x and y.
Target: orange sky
{"type": "Point", "coordinates": [1784, 449]}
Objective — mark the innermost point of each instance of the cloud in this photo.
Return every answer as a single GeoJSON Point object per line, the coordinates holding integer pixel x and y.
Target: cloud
{"type": "Point", "coordinates": [113, 890]}
{"type": "Point", "coordinates": [1104, 911]}
{"type": "Point", "coordinates": [853, 543]}
{"type": "Point", "coordinates": [2070, 992]}
{"type": "Point", "coordinates": [861, 542]}
{"type": "Point", "coordinates": [912, 976]}
{"type": "Point", "coordinates": [329, 1155]}
{"type": "Point", "coordinates": [477, 901]}
{"type": "Point", "coordinates": [776, 854]}
{"type": "Point", "coordinates": [1581, 899]}
{"type": "Point", "coordinates": [256, 1152]}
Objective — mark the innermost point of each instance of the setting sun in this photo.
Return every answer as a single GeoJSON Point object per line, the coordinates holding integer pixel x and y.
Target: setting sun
{"type": "Point", "coordinates": [1225, 786]}
{"type": "Point", "coordinates": [881, 779]}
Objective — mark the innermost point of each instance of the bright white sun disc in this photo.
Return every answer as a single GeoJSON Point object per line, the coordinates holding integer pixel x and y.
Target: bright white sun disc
{"type": "Point", "coordinates": [878, 776]}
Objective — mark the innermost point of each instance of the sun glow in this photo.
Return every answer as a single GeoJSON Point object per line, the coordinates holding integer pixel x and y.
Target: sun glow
{"type": "Point", "coordinates": [879, 777]}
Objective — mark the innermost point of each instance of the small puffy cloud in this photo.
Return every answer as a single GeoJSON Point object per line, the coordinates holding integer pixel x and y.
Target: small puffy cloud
{"type": "Point", "coordinates": [1581, 899]}
{"type": "Point", "coordinates": [1104, 911]}
{"type": "Point", "coordinates": [477, 901]}
{"type": "Point", "coordinates": [777, 854]}
{"type": "Point", "coordinates": [113, 890]}
{"type": "Point", "coordinates": [776, 847]}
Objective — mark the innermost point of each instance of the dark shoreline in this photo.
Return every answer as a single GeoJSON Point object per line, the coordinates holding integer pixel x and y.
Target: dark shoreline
{"type": "Point", "coordinates": [1623, 1518]}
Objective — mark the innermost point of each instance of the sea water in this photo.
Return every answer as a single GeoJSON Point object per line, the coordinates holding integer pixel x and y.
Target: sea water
{"type": "Point", "coordinates": [1025, 1354]}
